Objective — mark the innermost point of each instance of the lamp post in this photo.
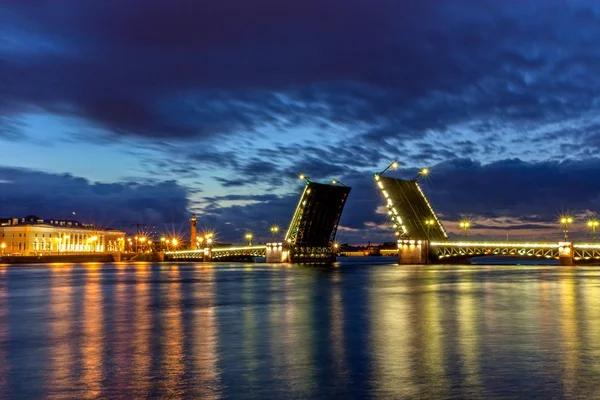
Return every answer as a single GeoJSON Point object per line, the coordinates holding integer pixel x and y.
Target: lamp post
{"type": "Point", "coordinates": [174, 242]}
{"type": "Point", "coordinates": [465, 225]}
{"type": "Point", "coordinates": [393, 165]}
{"type": "Point", "coordinates": [430, 222]}
{"type": "Point", "coordinates": [423, 172]}
{"type": "Point", "coordinates": [249, 238]}
{"type": "Point", "coordinates": [566, 221]}
{"type": "Point", "coordinates": [274, 230]}
{"type": "Point", "coordinates": [3, 246]}
{"type": "Point", "coordinates": [303, 177]}
{"type": "Point", "coordinates": [335, 181]}
{"type": "Point", "coordinates": [593, 225]}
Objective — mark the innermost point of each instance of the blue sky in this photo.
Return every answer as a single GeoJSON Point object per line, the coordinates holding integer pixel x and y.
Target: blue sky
{"type": "Point", "coordinates": [135, 112]}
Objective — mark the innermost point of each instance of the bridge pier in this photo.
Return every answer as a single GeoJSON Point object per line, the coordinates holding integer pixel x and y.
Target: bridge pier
{"type": "Point", "coordinates": [207, 254]}
{"type": "Point", "coordinates": [413, 252]}
{"type": "Point", "coordinates": [565, 253]}
{"type": "Point", "coordinates": [275, 253]}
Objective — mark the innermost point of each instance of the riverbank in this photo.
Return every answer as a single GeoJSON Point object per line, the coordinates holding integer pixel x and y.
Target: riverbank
{"type": "Point", "coordinates": [82, 258]}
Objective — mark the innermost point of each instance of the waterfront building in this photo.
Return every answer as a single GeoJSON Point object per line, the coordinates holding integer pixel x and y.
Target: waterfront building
{"type": "Point", "coordinates": [32, 235]}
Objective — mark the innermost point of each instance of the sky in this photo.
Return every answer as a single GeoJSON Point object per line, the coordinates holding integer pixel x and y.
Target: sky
{"type": "Point", "coordinates": [142, 112]}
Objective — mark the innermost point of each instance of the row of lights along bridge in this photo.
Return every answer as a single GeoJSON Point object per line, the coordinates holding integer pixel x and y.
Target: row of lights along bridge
{"type": "Point", "coordinates": [565, 222]}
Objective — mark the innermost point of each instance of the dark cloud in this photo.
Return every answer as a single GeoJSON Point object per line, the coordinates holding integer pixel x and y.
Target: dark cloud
{"type": "Point", "coordinates": [540, 191]}
{"type": "Point", "coordinates": [223, 89]}
{"type": "Point", "coordinates": [210, 68]}
{"type": "Point", "coordinates": [25, 192]}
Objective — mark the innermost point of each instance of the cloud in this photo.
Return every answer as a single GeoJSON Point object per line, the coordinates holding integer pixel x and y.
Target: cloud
{"type": "Point", "coordinates": [399, 69]}
{"type": "Point", "coordinates": [26, 192]}
{"type": "Point", "coordinates": [499, 98]}
{"type": "Point", "coordinates": [514, 188]}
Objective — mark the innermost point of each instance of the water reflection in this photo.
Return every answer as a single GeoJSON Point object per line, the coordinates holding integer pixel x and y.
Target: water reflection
{"type": "Point", "coordinates": [93, 334]}
{"type": "Point", "coordinates": [62, 356]}
{"type": "Point", "coordinates": [142, 322]}
{"type": "Point", "coordinates": [204, 343]}
{"type": "Point", "coordinates": [207, 331]}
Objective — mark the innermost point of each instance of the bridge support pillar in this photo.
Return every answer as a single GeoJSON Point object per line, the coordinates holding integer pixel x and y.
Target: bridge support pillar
{"type": "Point", "coordinates": [207, 254]}
{"type": "Point", "coordinates": [565, 253]}
{"type": "Point", "coordinates": [274, 253]}
{"type": "Point", "coordinates": [413, 252]}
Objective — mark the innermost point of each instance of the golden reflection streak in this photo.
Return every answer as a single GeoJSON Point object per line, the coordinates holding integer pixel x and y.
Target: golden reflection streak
{"type": "Point", "coordinates": [93, 335]}
{"type": "Point", "coordinates": [278, 323]}
{"type": "Point", "coordinates": [61, 351]}
{"type": "Point", "coordinates": [121, 342]}
{"type": "Point", "coordinates": [173, 366]}
{"type": "Point", "coordinates": [569, 329]}
{"type": "Point", "coordinates": [206, 378]}
{"type": "Point", "coordinates": [468, 314]}
{"type": "Point", "coordinates": [592, 330]}
{"type": "Point", "coordinates": [142, 357]}
{"type": "Point", "coordinates": [392, 343]}
{"type": "Point", "coordinates": [337, 326]}
{"type": "Point", "coordinates": [4, 366]}
{"type": "Point", "coordinates": [432, 336]}
{"type": "Point", "coordinates": [250, 328]}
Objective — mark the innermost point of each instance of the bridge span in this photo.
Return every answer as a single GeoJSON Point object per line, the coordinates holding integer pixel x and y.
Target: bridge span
{"type": "Point", "coordinates": [310, 237]}
{"type": "Point", "coordinates": [422, 238]}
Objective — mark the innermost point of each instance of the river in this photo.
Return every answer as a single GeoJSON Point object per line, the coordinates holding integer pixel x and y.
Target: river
{"type": "Point", "coordinates": [364, 328]}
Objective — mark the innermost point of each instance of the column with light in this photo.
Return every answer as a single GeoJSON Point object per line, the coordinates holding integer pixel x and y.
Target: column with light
{"type": "Point", "coordinates": [565, 222]}
{"type": "Point", "coordinates": [593, 225]}
{"type": "Point", "coordinates": [465, 225]}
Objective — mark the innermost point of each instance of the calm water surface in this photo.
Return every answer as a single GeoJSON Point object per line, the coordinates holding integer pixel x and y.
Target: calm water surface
{"type": "Point", "coordinates": [364, 329]}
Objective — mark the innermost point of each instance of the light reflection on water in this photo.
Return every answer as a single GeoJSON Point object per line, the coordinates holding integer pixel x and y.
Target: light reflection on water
{"type": "Point", "coordinates": [268, 331]}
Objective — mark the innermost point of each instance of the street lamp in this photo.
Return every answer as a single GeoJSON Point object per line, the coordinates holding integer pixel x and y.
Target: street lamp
{"type": "Point", "coordinates": [249, 238]}
{"type": "Point", "coordinates": [303, 177]}
{"type": "Point", "coordinates": [423, 172]}
{"type": "Point", "coordinates": [430, 222]}
{"type": "Point", "coordinates": [3, 246]}
{"type": "Point", "coordinates": [465, 225]}
{"type": "Point", "coordinates": [175, 242]}
{"type": "Point", "coordinates": [593, 225]}
{"type": "Point", "coordinates": [274, 230]}
{"type": "Point", "coordinates": [393, 165]}
{"type": "Point", "coordinates": [566, 221]}
{"type": "Point", "coordinates": [337, 181]}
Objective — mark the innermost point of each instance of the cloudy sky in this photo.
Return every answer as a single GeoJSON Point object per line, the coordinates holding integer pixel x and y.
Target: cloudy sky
{"type": "Point", "coordinates": [130, 112]}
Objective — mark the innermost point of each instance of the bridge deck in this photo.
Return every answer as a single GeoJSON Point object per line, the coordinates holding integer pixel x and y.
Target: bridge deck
{"type": "Point", "coordinates": [410, 210]}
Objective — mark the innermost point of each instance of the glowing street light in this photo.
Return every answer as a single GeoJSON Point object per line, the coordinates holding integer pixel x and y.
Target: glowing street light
{"type": "Point", "coordinates": [303, 177]}
{"type": "Point", "coordinates": [429, 222]}
{"type": "Point", "coordinates": [337, 182]}
{"type": "Point", "coordinates": [393, 165]}
{"type": "Point", "coordinates": [465, 225]}
{"type": "Point", "coordinates": [565, 222]}
{"type": "Point", "coordinates": [423, 172]}
{"type": "Point", "coordinates": [274, 230]}
{"type": "Point", "coordinates": [249, 238]}
{"type": "Point", "coordinates": [593, 225]}
{"type": "Point", "coordinates": [175, 242]}
{"type": "Point", "coordinates": [3, 246]}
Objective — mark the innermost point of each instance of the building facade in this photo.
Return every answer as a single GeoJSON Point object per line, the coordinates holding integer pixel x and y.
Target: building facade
{"type": "Point", "coordinates": [32, 235]}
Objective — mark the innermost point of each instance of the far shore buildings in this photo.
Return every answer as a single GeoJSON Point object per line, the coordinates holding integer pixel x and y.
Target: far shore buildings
{"type": "Point", "coordinates": [32, 235]}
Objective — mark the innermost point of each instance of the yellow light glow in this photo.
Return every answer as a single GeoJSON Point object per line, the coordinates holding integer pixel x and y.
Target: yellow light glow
{"type": "Point", "coordinates": [425, 171]}
{"type": "Point", "coordinates": [302, 176]}
{"type": "Point", "coordinates": [394, 165]}
{"type": "Point", "coordinates": [175, 242]}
